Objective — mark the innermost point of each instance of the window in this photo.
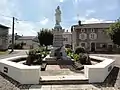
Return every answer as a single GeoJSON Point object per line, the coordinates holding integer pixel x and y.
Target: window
{"type": "Point", "coordinates": [93, 36]}
{"type": "Point", "coordinates": [92, 30]}
{"type": "Point", "coordinates": [65, 39]}
{"type": "Point", "coordinates": [83, 44]}
{"type": "Point", "coordinates": [82, 30]}
{"type": "Point", "coordinates": [10, 41]}
{"type": "Point", "coordinates": [104, 46]}
{"type": "Point", "coordinates": [82, 36]}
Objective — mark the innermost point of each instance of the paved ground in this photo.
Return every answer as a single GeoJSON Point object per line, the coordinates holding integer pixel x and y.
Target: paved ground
{"type": "Point", "coordinates": [70, 87]}
{"type": "Point", "coordinates": [112, 80]}
{"type": "Point", "coordinates": [54, 70]}
{"type": "Point", "coordinates": [116, 57]}
{"type": "Point", "coordinates": [15, 53]}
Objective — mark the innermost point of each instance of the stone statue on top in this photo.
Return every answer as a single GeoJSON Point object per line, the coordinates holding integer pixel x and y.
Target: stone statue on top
{"type": "Point", "coordinates": [58, 15]}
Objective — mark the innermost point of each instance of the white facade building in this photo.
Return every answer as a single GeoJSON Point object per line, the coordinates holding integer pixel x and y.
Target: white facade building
{"type": "Point", "coordinates": [67, 38]}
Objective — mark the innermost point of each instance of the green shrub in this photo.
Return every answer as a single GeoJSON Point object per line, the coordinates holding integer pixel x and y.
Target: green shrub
{"type": "Point", "coordinates": [31, 57]}
{"type": "Point", "coordinates": [68, 50]}
{"type": "Point", "coordinates": [84, 59]}
{"type": "Point", "coordinates": [36, 56]}
{"type": "Point", "coordinates": [80, 50]}
{"type": "Point", "coordinates": [71, 55]}
{"type": "Point", "coordinates": [76, 57]}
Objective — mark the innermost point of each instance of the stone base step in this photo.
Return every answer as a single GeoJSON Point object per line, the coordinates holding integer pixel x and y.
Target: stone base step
{"type": "Point", "coordinates": [61, 80]}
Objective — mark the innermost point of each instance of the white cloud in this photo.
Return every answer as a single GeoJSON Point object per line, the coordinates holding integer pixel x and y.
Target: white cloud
{"type": "Point", "coordinates": [45, 21]}
{"type": "Point", "coordinates": [94, 20]}
{"type": "Point", "coordinates": [9, 8]}
{"type": "Point", "coordinates": [61, 0]}
{"type": "Point", "coordinates": [76, 1]}
{"type": "Point", "coordinates": [26, 27]}
{"type": "Point", "coordinates": [88, 12]}
{"type": "Point", "coordinates": [47, 7]}
{"type": "Point", "coordinates": [91, 20]}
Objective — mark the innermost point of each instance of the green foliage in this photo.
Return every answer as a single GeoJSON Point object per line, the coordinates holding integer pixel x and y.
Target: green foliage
{"type": "Point", "coordinates": [68, 50]}
{"type": "Point", "coordinates": [76, 57]}
{"type": "Point", "coordinates": [114, 32]}
{"type": "Point", "coordinates": [80, 50]}
{"type": "Point", "coordinates": [31, 57]}
{"type": "Point", "coordinates": [79, 56]}
{"type": "Point", "coordinates": [45, 37]}
{"type": "Point", "coordinates": [83, 58]}
{"type": "Point", "coordinates": [36, 56]}
{"type": "Point", "coordinates": [71, 55]}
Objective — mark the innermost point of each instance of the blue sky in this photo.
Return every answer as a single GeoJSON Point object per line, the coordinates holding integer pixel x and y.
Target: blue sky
{"type": "Point", "coordinates": [36, 14]}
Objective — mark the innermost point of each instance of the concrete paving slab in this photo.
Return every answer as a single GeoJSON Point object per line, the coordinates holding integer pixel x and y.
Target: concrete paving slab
{"type": "Point", "coordinates": [65, 77]}
{"type": "Point", "coordinates": [66, 87]}
{"type": "Point", "coordinates": [39, 87]}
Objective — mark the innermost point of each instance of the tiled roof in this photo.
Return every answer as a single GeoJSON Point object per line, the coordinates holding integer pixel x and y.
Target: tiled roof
{"type": "Point", "coordinates": [3, 26]}
{"type": "Point", "coordinates": [27, 38]}
{"type": "Point", "coordinates": [94, 25]}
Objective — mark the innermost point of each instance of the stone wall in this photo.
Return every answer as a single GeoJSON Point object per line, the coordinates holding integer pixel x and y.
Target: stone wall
{"type": "Point", "coordinates": [3, 39]}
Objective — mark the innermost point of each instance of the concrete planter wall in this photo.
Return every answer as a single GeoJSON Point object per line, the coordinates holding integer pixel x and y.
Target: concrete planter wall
{"type": "Point", "coordinates": [98, 72]}
{"type": "Point", "coordinates": [19, 72]}
{"type": "Point", "coordinates": [31, 74]}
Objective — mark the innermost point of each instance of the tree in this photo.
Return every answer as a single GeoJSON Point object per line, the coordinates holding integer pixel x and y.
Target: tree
{"type": "Point", "coordinates": [114, 32]}
{"type": "Point", "coordinates": [45, 37]}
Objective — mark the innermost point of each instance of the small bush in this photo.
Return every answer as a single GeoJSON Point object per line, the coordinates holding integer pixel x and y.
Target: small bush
{"type": "Point", "coordinates": [80, 50]}
{"type": "Point", "coordinates": [84, 59]}
{"type": "Point", "coordinates": [36, 56]}
{"type": "Point", "coordinates": [31, 57]}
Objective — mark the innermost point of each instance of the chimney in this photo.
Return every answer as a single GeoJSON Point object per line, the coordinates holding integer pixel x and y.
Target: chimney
{"type": "Point", "coordinates": [79, 23]}
{"type": "Point", "coordinates": [16, 34]}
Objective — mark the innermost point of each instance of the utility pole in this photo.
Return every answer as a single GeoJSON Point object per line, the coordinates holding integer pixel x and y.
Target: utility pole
{"type": "Point", "coordinates": [13, 35]}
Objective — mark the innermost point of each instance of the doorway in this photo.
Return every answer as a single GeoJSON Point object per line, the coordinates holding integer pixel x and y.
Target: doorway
{"type": "Point", "coordinates": [93, 47]}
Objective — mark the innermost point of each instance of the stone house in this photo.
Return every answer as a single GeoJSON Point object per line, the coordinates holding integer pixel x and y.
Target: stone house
{"type": "Point", "coordinates": [91, 36]}
{"type": "Point", "coordinates": [3, 37]}
{"type": "Point", "coordinates": [29, 41]}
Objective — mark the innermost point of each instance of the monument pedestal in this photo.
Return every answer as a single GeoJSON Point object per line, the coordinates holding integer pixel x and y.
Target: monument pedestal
{"type": "Point", "coordinates": [58, 41]}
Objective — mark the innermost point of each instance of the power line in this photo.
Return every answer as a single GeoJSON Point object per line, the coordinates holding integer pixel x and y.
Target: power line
{"type": "Point", "coordinates": [6, 16]}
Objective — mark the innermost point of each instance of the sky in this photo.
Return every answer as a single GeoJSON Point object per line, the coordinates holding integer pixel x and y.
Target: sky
{"type": "Point", "coordinates": [32, 15]}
